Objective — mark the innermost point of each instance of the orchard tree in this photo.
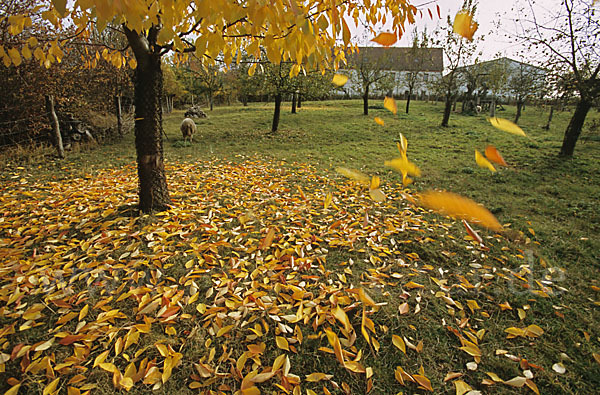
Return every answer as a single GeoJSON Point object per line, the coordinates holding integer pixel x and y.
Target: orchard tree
{"type": "Point", "coordinates": [524, 82]}
{"type": "Point", "coordinates": [458, 52]}
{"type": "Point", "coordinates": [369, 69]}
{"type": "Point", "coordinates": [568, 37]}
{"type": "Point", "coordinates": [419, 60]}
{"type": "Point", "coordinates": [303, 32]}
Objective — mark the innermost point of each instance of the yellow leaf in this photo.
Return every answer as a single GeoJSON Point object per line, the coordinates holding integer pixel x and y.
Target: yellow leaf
{"type": "Point", "coordinates": [385, 39]}
{"type": "Point", "coordinates": [127, 383]}
{"type": "Point", "coordinates": [14, 390]}
{"type": "Point", "coordinates": [100, 358]}
{"type": "Point", "coordinates": [50, 388]}
{"type": "Point", "coordinates": [398, 342]}
{"type": "Point", "coordinates": [516, 382]}
{"type": "Point", "coordinates": [403, 308]}
{"type": "Point", "coordinates": [353, 174]}
{"type": "Point", "coordinates": [262, 377]}
{"type": "Point", "coordinates": [379, 121]}
{"type": "Point", "coordinates": [268, 240]}
{"type": "Point", "coordinates": [507, 126]}
{"type": "Point", "coordinates": [340, 79]}
{"type": "Point", "coordinates": [532, 386]}
{"type": "Point", "coordinates": [354, 366]}
{"type": "Point", "coordinates": [464, 24]}
{"type": "Point", "coordinates": [492, 154]}
{"type": "Point", "coordinates": [44, 346]}
{"type": "Point", "coordinates": [453, 205]}
{"type": "Point", "coordinates": [534, 330]}
{"type": "Point", "coordinates": [413, 285]}
{"type": "Point", "coordinates": [282, 343]}
{"type": "Point", "coordinates": [337, 347]}
{"type": "Point", "coordinates": [251, 391]}
{"type": "Point", "coordinates": [341, 316]}
{"type": "Point", "coordinates": [390, 104]}
{"type": "Point", "coordinates": [403, 165]}
{"type": "Point", "coordinates": [327, 200]}
{"type": "Point", "coordinates": [461, 387]}
{"type": "Point", "coordinates": [423, 381]}
{"type": "Point", "coordinates": [375, 181]}
{"type": "Point", "coordinates": [15, 56]}
{"type": "Point", "coordinates": [402, 144]}
{"type": "Point", "coordinates": [314, 377]}
{"type": "Point", "coordinates": [60, 6]}
{"type": "Point", "coordinates": [83, 312]}
{"type": "Point", "coordinates": [596, 357]}
{"type": "Point", "coordinates": [494, 377]}
{"type": "Point", "coordinates": [482, 162]}
{"type": "Point", "coordinates": [377, 195]}
{"type": "Point", "coordinates": [471, 349]}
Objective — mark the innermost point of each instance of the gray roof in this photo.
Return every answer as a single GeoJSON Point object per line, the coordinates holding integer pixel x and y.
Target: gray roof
{"type": "Point", "coordinates": [402, 58]}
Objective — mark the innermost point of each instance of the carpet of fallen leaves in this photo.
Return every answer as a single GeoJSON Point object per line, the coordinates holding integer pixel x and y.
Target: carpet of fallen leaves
{"type": "Point", "coordinates": [257, 265]}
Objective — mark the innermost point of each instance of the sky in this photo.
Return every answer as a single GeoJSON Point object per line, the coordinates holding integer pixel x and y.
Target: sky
{"type": "Point", "coordinates": [488, 13]}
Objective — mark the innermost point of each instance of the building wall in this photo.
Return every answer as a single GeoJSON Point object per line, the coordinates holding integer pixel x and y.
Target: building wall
{"type": "Point", "coordinates": [353, 88]}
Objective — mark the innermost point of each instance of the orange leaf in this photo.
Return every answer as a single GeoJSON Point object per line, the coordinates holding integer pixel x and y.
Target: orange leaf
{"type": "Point", "coordinates": [385, 39]}
{"type": "Point", "coordinates": [492, 154]}
{"type": "Point", "coordinates": [472, 233]}
{"type": "Point", "coordinates": [456, 206]}
{"type": "Point", "coordinates": [464, 24]}
{"type": "Point", "coordinates": [379, 121]}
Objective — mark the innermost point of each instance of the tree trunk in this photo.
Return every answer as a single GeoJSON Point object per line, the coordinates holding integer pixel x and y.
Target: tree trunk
{"type": "Point", "coordinates": [574, 129]}
{"type": "Point", "coordinates": [547, 127]}
{"type": "Point", "coordinates": [519, 107]}
{"type": "Point", "coordinates": [275, 125]}
{"type": "Point", "coordinates": [408, 100]}
{"type": "Point", "coordinates": [119, 116]}
{"type": "Point", "coordinates": [493, 107]}
{"type": "Point", "coordinates": [366, 101]}
{"type": "Point", "coordinates": [299, 100]}
{"type": "Point", "coordinates": [294, 98]}
{"type": "Point", "coordinates": [447, 110]}
{"type": "Point", "coordinates": [454, 103]}
{"type": "Point", "coordinates": [55, 126]}
{"type": "Point", "coordinates": [210, 100]}
{"type": "Point", "coordinates": [153, 191]}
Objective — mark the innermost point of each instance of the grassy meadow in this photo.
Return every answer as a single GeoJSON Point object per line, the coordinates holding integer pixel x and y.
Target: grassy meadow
{"type": "Point", "coordinates": [448, 299]}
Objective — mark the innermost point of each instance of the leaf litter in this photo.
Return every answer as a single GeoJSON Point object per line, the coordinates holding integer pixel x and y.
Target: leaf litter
{"type": "Point", "coordinates": [232, 285]}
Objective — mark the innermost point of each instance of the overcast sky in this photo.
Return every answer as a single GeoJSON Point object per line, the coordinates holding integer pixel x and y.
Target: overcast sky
{"type": "Point", "coordinates": [488, 13]}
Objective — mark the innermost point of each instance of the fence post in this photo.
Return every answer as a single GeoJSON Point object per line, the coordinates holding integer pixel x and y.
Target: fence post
{"type": "Point", "coordinates": [54, 122]}
{"type": "Point", "coordinates": [119, 116]}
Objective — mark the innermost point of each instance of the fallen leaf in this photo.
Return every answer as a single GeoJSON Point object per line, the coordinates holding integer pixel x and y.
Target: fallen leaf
{"type": "Point", "coordinates": [559, 368]}
{"type": "Point", "coordinates": [461, 387]}
{"type": "Point", "coordinates": [516, 382]}
{"type": "Point", "coordinates": [399, 343]}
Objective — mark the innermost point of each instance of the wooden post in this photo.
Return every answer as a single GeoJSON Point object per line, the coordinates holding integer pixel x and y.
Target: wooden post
{"type": "Point", "coordinates": [54, 122]}
{"type": "Point", "coordinates": [119, 116]}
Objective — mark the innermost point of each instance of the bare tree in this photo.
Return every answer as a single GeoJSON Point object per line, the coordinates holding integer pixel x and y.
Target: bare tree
{"type": "Point", "coordinates": [419, 60]}
{"type": "Point", "coordinates": [370, 66]}
{"type": "Point", "coordinates": [524, 82]}
{"type": "Point", "coordinates": [568, 37]}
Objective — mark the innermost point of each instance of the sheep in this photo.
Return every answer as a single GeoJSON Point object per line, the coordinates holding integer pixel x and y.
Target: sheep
{"type": "Point", "coordinates": [188, 128]}
{"type": "Point", "coordinates": [478, 109]}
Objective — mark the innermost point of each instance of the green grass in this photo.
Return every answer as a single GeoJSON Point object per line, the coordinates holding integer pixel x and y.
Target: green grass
{"type": "Point", "coordinates": [550, 205]}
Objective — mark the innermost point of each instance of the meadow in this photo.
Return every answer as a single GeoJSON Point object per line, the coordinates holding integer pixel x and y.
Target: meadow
{"type": "Point", "coordinates": [281, 273]}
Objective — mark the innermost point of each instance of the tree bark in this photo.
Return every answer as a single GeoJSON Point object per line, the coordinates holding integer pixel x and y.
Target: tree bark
{"type": "Point", "coordinates": [574, 128]}
{"type": "Point", "coordinates": [299, 100]}
{"type": "Point", "coordinates": [294, 98]}
{"type": "Point", "coordinates": [366, 101]}
{"type": "Point", "coordinates": [447, 110]}
{"type": "Point", "coordinates": [493, 107]}
{"type": "Point", "coordinates": [276, 114]}
{"type": "Point", "coordinates": [55, 126]}
{"type": "Point", "coordinates": [408, 100]}
{"type": "Point", "coordinates": [547, 127]}
{"type": "Point", "coordinates": [153, 192]}
{"type": "Point", "coordinates": [519, 108]}
{"type": "Point", "coordinates": [119, 115]}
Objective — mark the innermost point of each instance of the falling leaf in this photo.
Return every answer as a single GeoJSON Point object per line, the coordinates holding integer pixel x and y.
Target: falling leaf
{"type": "Point", "coordinates": [507, 126]}
{"type": "Point", "coordinates": [375, 181]}
{"type": "Point", "coordinates": [353, 174]}
{"type": "Point", "coordinates": [464, 25]}
{"type": "Point", "coordinates": [482, 162]}
{"type": "Point", "coordinates": [402, 144]}
{"type": "Point", "coordinates": [472, 232]}
{"type": "Point", "coordinates": [403, 165]}
{"type": "Point", "coordinates": [492, 154]}
{"type": "Point", "coordinates": [453, 205]}
{"type": "Point", "coordinates": [385, 39]}
{"type": "Point", "coordinates": [340, 79]}
{"type": "Point", "coordinates": [379, 121]}
{"type": "Point", "coordinates": [461, 387]}
{"type": "Point", "coordinates": [390, 104]}
{"type": "Point", "coordinates": [559, 368]}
